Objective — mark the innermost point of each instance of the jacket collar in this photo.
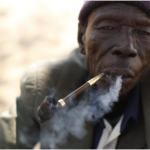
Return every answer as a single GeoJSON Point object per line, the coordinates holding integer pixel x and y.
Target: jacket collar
{"type": "Point", "coordinates": [145, 95]}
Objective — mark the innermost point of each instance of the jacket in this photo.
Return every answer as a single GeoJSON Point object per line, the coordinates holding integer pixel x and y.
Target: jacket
{"type": "Point", "coordinates": [19, 126]}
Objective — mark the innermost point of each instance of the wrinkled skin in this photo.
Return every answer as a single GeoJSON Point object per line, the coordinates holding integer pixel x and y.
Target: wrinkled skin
{"type": "Point", "coordinates": [116, 39]}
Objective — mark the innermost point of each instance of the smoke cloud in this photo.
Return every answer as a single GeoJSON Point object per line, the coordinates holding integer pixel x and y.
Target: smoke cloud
{"type": "Point", "coordinates": [73, 119]}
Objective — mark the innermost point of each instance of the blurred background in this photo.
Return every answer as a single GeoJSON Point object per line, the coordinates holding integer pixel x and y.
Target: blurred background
{"type": "Point", "coordinates": [31, 31]}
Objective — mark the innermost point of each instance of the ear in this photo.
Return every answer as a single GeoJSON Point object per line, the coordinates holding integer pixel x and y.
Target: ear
{"type": "Point", "coordinates": [81, 37]}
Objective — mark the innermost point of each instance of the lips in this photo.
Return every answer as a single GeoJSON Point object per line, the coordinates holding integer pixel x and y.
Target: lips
{"type": "Point", "coordinates": [112, 74]}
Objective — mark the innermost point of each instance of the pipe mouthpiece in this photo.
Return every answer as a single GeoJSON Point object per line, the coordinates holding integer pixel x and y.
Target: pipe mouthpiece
{"type": "Point", "coordinates": [95, 79]}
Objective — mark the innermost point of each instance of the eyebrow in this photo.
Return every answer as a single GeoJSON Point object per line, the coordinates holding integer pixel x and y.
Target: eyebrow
{"type": "Point", "coordinates": [106, 17]}
{"type": "Point", "coordinates": [140, 21]}
{"type": "Point", "coordinates": [143, 22]}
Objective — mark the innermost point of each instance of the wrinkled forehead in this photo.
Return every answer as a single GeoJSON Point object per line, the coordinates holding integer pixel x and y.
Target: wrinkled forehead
{"type": "Point", "coordinates": [89, 6]}
{"type": "Point", "coordinates": [118, 12]}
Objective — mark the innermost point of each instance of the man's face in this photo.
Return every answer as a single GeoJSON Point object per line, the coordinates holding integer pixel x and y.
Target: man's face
{"type": "Point", "coordinates": [117, 42]}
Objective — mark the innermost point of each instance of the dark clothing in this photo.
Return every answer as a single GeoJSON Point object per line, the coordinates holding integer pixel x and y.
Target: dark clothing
{"type": "Point", "coordinates": [130, 118]}
{"type": "Point", "coordinates": [19, 126]}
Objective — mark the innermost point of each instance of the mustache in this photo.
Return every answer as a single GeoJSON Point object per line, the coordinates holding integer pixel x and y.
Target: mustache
{"type": "Point", "coordinates": [118, 66]}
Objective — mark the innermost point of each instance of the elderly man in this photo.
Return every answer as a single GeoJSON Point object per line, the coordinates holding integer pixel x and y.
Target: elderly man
{"type": "Point", "coordinates": [114, 39]}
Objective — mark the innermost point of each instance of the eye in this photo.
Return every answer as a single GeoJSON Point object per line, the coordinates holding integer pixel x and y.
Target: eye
{"type": "Point", "coordinates": [107, 28]}
{"type": "Point", "coordinates": [142, 32]}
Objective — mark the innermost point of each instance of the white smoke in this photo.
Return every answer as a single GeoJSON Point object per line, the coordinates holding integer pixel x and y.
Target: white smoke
{"type": "Point", "coordinates": [72, 120]}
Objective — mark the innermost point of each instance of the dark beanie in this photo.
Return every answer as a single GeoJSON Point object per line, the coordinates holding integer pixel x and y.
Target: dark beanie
{"type": "Point", "coordinates": [89, 6]}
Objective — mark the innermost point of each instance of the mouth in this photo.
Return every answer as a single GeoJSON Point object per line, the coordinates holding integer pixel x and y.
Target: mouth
{"type": "Point", "coordinates": [112, 74]}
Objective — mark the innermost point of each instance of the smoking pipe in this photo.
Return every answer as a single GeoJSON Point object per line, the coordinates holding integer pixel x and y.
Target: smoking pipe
{"type": "Point", "coordinates": [50, 106]}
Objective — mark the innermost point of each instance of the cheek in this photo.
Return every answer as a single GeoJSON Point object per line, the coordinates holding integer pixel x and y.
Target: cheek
{"type": "Point", "coordinates": [97, 41]}
{"type": "Point", "coordinates": [96, 47]}
{"type": "Point", "coordinates": [93, 55]}
{"type": "Point", "coordinates": [140, 75]}
{"type": "Point", "coordinates": [143, 48]}
{"type": "Point", "coordinates": [93, 52]}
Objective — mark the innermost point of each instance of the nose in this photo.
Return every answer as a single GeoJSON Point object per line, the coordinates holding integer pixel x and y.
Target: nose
{"type": "Point", "coordinates": [125, 46]}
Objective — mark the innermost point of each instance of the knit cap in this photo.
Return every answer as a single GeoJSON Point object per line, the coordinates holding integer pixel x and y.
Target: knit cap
{"type": "Point", "coordinates": [89, 6]}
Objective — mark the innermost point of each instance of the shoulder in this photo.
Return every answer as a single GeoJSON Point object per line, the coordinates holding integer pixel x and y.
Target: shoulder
{"type": "Point", "coordinates": [40, 74]}
{"type": "Point", "coordinates": [45, 77]}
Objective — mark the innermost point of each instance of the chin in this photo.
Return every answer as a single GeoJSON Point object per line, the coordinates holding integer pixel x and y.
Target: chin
{"type": "Point", "coordinates": [103, 86]}
{"type": "Point", "coordinates": [126, 89]}
{"type": "Point", "coordinates": [124, 92]}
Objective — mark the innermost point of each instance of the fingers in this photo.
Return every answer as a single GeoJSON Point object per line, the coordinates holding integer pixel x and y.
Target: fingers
{"type": "Point", "coordinates": [47, 109]}
{"type": "Point", "coordinates": [42, 116]}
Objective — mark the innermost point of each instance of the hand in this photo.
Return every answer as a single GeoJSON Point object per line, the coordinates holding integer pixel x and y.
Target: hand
{"type": "Point", "coordinates": [47, 109]}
